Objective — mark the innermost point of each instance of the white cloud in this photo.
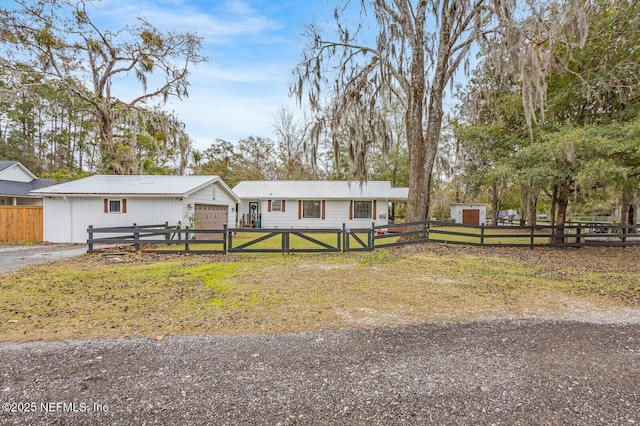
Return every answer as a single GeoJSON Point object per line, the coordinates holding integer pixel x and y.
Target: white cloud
{"type": "Point", "coordinates": [232, 18]}
{"type": "Point", "coordinates": [237, 93]}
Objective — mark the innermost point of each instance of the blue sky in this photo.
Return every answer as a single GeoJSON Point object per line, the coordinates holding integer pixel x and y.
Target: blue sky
{"type": "Point", "coordinates": [252, 46]}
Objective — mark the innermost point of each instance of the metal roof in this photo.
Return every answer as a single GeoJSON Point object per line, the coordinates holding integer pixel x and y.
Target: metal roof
{"type": "Point", "coordinates": [11, 188]}
{"type": "Point", "coordinates": [314, 190]}
{"type": "Point", "coordinates": [142, 185]}
{"type": "Point", "coordinates": [399, 194]}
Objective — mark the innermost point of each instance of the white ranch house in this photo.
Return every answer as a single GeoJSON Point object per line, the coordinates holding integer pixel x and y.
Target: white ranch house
{"type": "Point", "coordinates": [316, 204]}
{"type": "Point", "coordinates": [109, 201]}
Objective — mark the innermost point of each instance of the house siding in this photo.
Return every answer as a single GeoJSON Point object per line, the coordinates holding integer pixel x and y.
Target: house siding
{"type": "Point", "coordinates": [205, 196]}
{"type": "Point", "coordinates": [15, 174]}
{"type": "Point", "coordinates": [336, 214]}
{"type": "Point", "coordinates": [67, 220]}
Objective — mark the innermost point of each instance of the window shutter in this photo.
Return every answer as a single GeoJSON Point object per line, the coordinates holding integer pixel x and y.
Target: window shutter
{"type": "Point", "coordinates": [269, 205]}
{"type": "Point", "coordinates": [323, 209]}
{"type": "Point", "coordinates": [299, 209]}
{"type": "Point", "coordinates": [282, 206]}
{"type": "Point", "coordinates": [350, 209]}
{"type": "Point", "coordinates": [374, 209]}
{"type": "Point", "coordinates": [106, 205]}
{"type": "Point", "coordinates": [124, 205]}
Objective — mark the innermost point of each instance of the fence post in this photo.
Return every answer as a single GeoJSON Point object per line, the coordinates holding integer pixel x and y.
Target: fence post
{"type": "Point", "coordinates": [579, 235]}
{"type": "Point", "coordinates": [344, 237]}
{"type": "Point", "coordinates": [532, 236]}
{"type": "Point", "coordinates": [90, 240]}
{"type": "Point", "coordinates": [372, 235]}
{"type": "Point", "coordinates": [166, 229]}
{"type": "Point", "coordinates": [186, 240]}
{"type": "Point", "coordinates": [230, 245]}
{"type": "Point", "coordinates": [284, 244]}
{"type": "Point", "coordinates": [136, 238]}
{"type": "Point", "coordinates": [482, 234]}
{"type": "Point", "coordinates": [224, 238]}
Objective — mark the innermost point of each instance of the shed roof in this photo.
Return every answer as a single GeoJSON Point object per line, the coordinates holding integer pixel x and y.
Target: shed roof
{"type": "Point", "coordinates": [9, 188]}
{"type": "Point", "coordinates": [310, 190]}
{"type": "Point", "coordinates": [141, 185]}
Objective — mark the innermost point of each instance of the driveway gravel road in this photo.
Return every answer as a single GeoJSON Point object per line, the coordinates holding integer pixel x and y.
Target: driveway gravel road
{"type": "Point", "coordinates": [495, 372]}
{"type": "Point", "coordinates": [13, 256]}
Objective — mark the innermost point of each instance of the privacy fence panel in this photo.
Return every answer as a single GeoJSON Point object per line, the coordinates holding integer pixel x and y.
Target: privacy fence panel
{"type": "Point", "coordinates": [20, 223]}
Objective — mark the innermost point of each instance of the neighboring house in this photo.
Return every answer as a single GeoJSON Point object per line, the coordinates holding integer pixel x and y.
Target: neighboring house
{"type": "Point", "coordinates": [16, 182]}
{"type": "Point", "coordinates": [108, 201]}
{"type": "Point", "coordinates": [316, 204]}
{"type": "Point", "coordinates": [469, 213]}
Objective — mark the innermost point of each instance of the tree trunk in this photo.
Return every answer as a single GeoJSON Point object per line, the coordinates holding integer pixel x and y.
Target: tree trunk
{"type": "Point", "coordinates": [562, 203]}
{"type": "Point", "coordinates": [419, 180]}
{"type": "Point", "coordinates": [628, 209]}
{"type": "Point", "coordinates": [423, 150]}
{"type": "Point", "coordinates": [554, 204]}
{"type": "Point", "coordinates": [495, 204]}
{"type": "Point", "coordinates": [529, 201]}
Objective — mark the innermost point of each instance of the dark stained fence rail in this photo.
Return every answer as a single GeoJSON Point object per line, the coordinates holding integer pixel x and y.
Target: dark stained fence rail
{"type": "Point", "coordinates": [160, 239]}
{"type": "Point", "coordinates": [167, 239]}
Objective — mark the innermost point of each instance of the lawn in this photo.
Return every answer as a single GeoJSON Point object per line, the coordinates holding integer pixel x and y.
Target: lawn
{"type": "Point", "coordinates": [106, 295]}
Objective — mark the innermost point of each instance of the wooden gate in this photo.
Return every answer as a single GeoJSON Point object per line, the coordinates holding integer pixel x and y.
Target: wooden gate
{"type": "Point", "coordinates": [20, 223]}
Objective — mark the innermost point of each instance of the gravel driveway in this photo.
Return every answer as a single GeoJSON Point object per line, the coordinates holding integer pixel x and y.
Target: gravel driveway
{"type": "Point", "coordinates": [14, 256]}
{"type": "Point", "coordinates": [496, 372]}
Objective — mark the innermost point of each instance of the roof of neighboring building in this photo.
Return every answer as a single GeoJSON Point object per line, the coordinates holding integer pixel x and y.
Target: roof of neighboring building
{"type": "Point", "coordinates": [5, 164]}
{"type": "Point", "coordinates": [309, 190]}
{"type": "Point", "coordinates": [141, 185]}
{"type": "Point", "coordinates": [9, 188]}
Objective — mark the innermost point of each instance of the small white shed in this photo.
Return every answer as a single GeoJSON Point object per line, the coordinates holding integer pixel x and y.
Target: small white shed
{"type": "Point", "coordinates": [109, 201]}
{"type": "Point", "coordinates": [469, 213]}
{"type": "Point", "coordinates": [315, 204]}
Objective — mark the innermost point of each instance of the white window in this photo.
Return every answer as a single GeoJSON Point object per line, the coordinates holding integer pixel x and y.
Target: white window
{"type": "Point", "coordinates": [1, 202]}
{"type": "Point", "coordinates": [115, 206]}
{"type": "Point", "coordinates": [362, 210]}
{"type": "Point", "coordinates": [276, 205]}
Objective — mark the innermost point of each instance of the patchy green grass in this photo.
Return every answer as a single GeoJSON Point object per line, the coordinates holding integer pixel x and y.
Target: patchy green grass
{"type": "Point", "coordinates": [150, 295]}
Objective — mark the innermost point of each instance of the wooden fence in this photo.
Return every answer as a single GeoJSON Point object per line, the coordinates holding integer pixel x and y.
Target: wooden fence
{"type": "Point", "coordinates": [20, 223]}
{"type": "Point", "coordinates": [166, 239]}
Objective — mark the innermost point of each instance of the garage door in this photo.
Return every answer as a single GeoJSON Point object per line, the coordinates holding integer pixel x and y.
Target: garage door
{"type": "Point", "coordinates": [471, 217]}
{"type": "Point", "coordinates": [210, 217]}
